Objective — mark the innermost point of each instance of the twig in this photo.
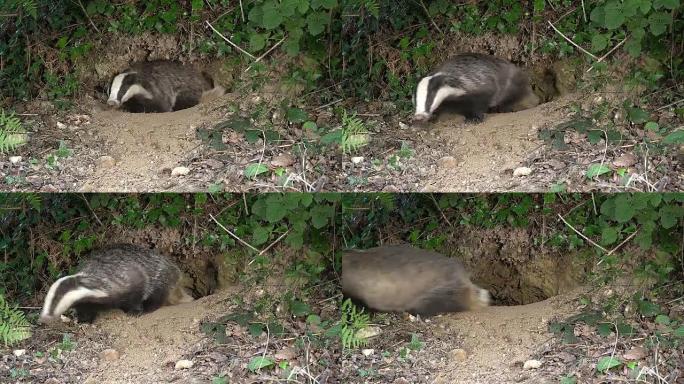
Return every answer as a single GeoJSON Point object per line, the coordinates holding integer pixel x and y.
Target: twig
{"type": "Point", "coordinates": [242, 12]}
{"type": "Point", "coordinates": [440, 210]}
{"type": "Point", "coordinates": [234, 235]}
{"type": "Point", "coordinates": [329, 104]}
{"type": "Point", "coordinates": [581, 234]}
{"type": "Point", "coordinates": [607, 54]}
{"type": "Point", "coordinates": [88, 16]}
{"type": "Point", "coordinates": [431, 19]}
{"type": "Point", "coordinates": [572, 42]}
{"type": "Point", "coordinates": [274, 242]}
{"type": "Point", "coordinates": [244, 200]}
{"type": "Point", "coordinates": [584, 12]}
{"type": "Point", "coordinates": [230, 42]}
{"type": "Point", "coordinates": [621, 244]}
{"type": "Point", "coordinates": [91, 210]}
{"type": "Point", "coordinates": [669, 105]}
{"type": "Point", "coordinates": [266, 53]}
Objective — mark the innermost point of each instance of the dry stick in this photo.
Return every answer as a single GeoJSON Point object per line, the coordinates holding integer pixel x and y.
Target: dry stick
{"type": "Point", "coordinates": [621, 244]}
{"type": "Point", "coordinates": [431, 19]}
{"type": "Point", "coordinates": [581, 234]}
{"type": "Point", "coordinates": [91, 210]}
{"type": "Point", "coordinates": [607, 54]}
{"type": "Point", "coordinates": [669, 105]}
{"type": "Point", "coordinates": [329, 104]}
{"type": "Point", "coordinates": [230, 42]}
{"type": "Point", "coordinates": [440, 210]}
{"type": "Point", "coordinates": [266, 53]}
{"type": "Point", "coordinates": [234, 235]}
{"type": "Point", "coordinates": [88, 16]}
{"type": "Point", "coordinates": [274, 243]}
{"type": "Point", "coordinates": [572, 42]}
{"type": "Point", "coordinates": [242, 12]}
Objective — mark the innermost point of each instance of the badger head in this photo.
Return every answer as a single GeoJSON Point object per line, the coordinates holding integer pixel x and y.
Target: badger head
{"type": "Point", "coordinates": [126, 86]}
{"type": "Point", "coordinates": [63, 294]}
{"type": "Point", "coordinates": [431, 92]}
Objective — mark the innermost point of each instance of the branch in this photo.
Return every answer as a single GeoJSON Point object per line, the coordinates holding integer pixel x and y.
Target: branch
{"type": "Point", "coordinates": [572, 42]}
{"type": "Point", "coordinates": [234, 235]}
{"type": "Point", "coordinates": [230, 42]}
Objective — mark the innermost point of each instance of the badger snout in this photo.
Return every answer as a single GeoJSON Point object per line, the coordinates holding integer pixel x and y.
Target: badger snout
{"type": "Point", "coordinates": [113, 103]}
{"type": "Point", "coordinates": [46, 319]}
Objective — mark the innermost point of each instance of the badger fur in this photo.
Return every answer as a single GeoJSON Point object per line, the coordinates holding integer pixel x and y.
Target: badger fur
{"type": "Point", "coordinates": [474, 84]}
{"type": "Point", "coordinates": [121, 276]}
{"type": "Point", "coordinates": [402, 278]}
{"type": "Point", "coordinates": [160, 86]}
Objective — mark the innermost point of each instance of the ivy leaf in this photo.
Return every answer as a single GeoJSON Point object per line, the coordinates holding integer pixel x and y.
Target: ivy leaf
{"type": "Point", "coordinates": [261, 234]}
{"type": "Point", "coordinates": [662, 319]}
{"type": "Point", "coordinates": [652, 126]}
{"type": "Point", "coordinates": [648, 309]}
{"type": "Point", "coordinates": [679, 332]}
{"type": "Point", "coordinates": [607, 362]}
{"type": "Point", "coordinates": [299, 308]}
{"type": "Point", "coordinates": [596, 170]}
{"type": "Point", "coordinates": [659, 22]}
{"type": "Point", "coordinates": [257, 42]}
{"type": "Point", "coordinates": [254, 170]}
{"type": "Point", "coordinates": [599, 42]}
{"type": "Point", "coordinates": [637, 115]}
{"type": "Point", "coordinates": [676, 137]}
{"type": "Point", "coordinates": [609, 235]}
{"type": "Point", "coordinates": [316, 22]}
{"type": "Point", "coordinates": [296, 115]}
{"type": "Point", "coordinates": [259, 362]}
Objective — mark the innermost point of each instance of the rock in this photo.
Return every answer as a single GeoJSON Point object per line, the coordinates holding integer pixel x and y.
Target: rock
{"type": "Point", "coordinates": [636, 353]}
{"type": "Point", "coordinates": [283, 160]}
{"type": "Point", "coordinates": [403, 126]}
{"type": "Point", "coordinates": [368, 352]}
{"type": "Point", "coordinates": [459, 354]}
{"type": "Point", "coordinates": [14, 159]}
{"type": "Point", "coordinates": [61, 125]}
{"type": "Point", "coordinates": [447, 162]}
{"type": "Point", "coordinates": [184, 364]}
{"type": "Point", "coordinates": [180, 171]}
{"type": "Point", "coordinates": [368, 332]}
{"type": "Point", "coordinates": [106, 162]}
{"type": "Point", "coordinates": [285, 354]}
{"type": "Point", "coordinates": [625, 160]}
{"type": "Point", "coordinates": [522, 171]}
{"type": "Point", "coordinates": [357, 159]}
{"type": "Point", "coordinates": [532, 364]}
{"type": "Point", "coordinates": [401, 380]}
{"type": "Point", "coordinates": [19, 352]}
{"type": "Point", "coordinates": [109, 354]}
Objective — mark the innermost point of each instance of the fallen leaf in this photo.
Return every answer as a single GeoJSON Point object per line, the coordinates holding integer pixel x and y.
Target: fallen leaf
{"type": "Point", "coordinates": [636, 353]}
{"type": "Point", "coordinates": [625, 160]}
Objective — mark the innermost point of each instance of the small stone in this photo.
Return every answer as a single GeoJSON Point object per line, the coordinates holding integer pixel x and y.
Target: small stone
{"type": "Point", "coordinates": [447, 162]}
{"type": "Point", "coordinates": [214, 164]}
{"type": "Point", "coordinates": [532, 364]}
{"type": "Point", "coordinates": [19, 352]}
{"type": "Point", "coordinates": [106, 162]}
{"type": "Point", "coordinates": [625, 160]}
{"type": "Point", "coordinates": [357, 159]}
{"type": "Point", "coordinates": [286, 354]}
{"type": "Point", "coordinates": [402, 125]}
{"type": "Point", "coordinates": [636, 353]}
{"type": "Point", "coordinates": [459, 354]}
{"type": "Point", "coordinates": [180, 171]}
{"type": "Point", "coordinates": [109, 354]}
{"type": "Point", "coordinates": [368, 352]}
{"type": "Point", "coordinates": [52, 380]}
{"type": "Point", "coordinates": [368, 332]}
{"type": "Point", "coordinates": [522, 171]}
{"type": "Point", "coordinates": [184, 364]}
{"type": "Point", "coordinates": [14, 159]}
{"type": "Point", "coordinates": [61, 125]}
{"type": "Point", "coordinates": [400, 380]}
{"type": "Point", "coordinates": [283, 160]}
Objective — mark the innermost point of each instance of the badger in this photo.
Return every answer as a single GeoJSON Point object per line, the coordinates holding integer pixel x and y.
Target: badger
{"type": "Point", "coordinates": [120, 276]}
{"type": "Point", "coordinates": [474, 84]}
{"type": "Point", "coordinates": [160, 86]}
{"type": "Point", "coordinates": [402, 278]}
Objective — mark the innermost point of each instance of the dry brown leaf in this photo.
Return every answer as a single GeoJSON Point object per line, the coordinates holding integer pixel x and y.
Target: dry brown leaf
{"type": "Point", "coordinates": [283, 160]}
{"type": "Point", "coordinates": [625, 160]}
{"type": "Point", "coordinates": [636, 353]}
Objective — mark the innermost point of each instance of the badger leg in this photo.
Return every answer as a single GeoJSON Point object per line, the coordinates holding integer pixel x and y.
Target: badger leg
{"type": "Point", "coordinates": [474, 106]}
{"type": "Point", "coordinates": [440, 300]}
{"type": "Point", "coordinates": [132, 303]}
{"type": "Point", "coordinates": [186, 100]}
{"type": "Point", "coordinates": [87, 312]}
{"type": "Point", "coordinates": [156, 300]}
{"type": "Point", "coordinates": [140, 104]}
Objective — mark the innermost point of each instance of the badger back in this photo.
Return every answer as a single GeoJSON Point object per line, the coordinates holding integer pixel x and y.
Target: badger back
{"type": "Point", "coordinates": [404, 278]}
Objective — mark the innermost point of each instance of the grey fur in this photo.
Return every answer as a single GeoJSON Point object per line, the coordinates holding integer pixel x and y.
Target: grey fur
{"type": "Point", "coordinates": [487, 84]}
{"type": "Point", "coordinates": [402, 278]}
{"type": "Point", "coordinates": [132, 278]}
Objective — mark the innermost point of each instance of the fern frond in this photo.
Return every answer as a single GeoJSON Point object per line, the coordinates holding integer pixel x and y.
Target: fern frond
{"type": "Point", "coordinates": [12, 134]}
{"type": "Point", "coordinates": [373, 7]}
{"type": "Point", "coordinates": [354, 133]}
{"type": "Point", "coordinates": [13, 325]}
{"type": "Point", "coordinates": [352, 322]}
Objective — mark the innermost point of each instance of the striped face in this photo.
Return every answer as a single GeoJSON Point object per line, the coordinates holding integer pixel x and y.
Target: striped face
{"type": "Point", "coordinates": [430, 93]}
{"type": "Point", "coordinates": [124, 87]}
{"type": "Point", "coordinates": [63, 294]}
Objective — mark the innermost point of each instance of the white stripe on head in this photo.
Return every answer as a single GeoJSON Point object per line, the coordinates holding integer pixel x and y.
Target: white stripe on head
{"type": "Point", "coordinates": [116, 86]}
{"type": "Point", "coordinates": [442, 94]}
{"type": "Point", "coordinates": [421, 95]}
{"type": "Point", "coordinates": [135, 90]}
{"type": "Point", "coordinates": [65, 302]}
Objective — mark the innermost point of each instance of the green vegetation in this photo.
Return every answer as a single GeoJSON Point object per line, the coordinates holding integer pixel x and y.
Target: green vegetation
{"type": "Point", "coordinates": [13, 325]}
{"type": "Point", "coordinates": [11, 132]}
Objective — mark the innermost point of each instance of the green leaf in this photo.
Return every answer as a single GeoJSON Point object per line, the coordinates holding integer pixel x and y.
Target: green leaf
{"type": "Point", "coordinates": [670, 214]}
{"type": "Point", "coordinates": [607, 362]}
{"type": "Point", "coordinates": [327, 4]}
{"type": "Point", "coordinates": [299, 308]}
{"type": "Point", "coordinates": [659, 22]}
{"type": "Point", "coordinates": [568, 380]}
{"type": "Point", "coordinates": [596, 170]}
{"type": "Point", "coordinates": [316, 21]}
{"type": "Point", "coordinates": [624, 208]}
{"type": "Point", "coordinates": [310, 125]}
{"type": "Point", "coordinates": [648, 309]}
{"type": "Point", "coordinates": [652, 126]}
{"type": "Point", "coordinates": [633, 46]}
{"type": "Point", "coordinates": [257, 42]}
{"type": "Point", "coordinates": [609, 235]}
{"type": "Point", "coordinates": [614, 17]}
{"type": "Point", "coordinates": [669, 4]}
{"type": "Point", "coordinates": [599, 42]}
{"type": "Point", "coordinates": [255, 329]}
{"type": "Point", "coordinates": [605, 329]}
{"type": "Point", "coordinates": [259, 362]}
{"type": "Point", "coordinates": [662, 319]}
{"type": "Point", "coordinates": [320, 214]}
{"type": "Point", "coordinates": [296, 115]}
{"type": "Point", "coordinates": [275, 209]}
{"type": "Point", "coordinates": [254, 170]}
{"type": "Point", "coordinates": [261, 234]}
{"type": "Point", "coordinates": [272, 17]}
{"type": "Point", "coordinates": [637, 115]}
{"type": "Point", "coordinates": [679, 332]}
{"type": "Point", "coordinates": [676, 137]}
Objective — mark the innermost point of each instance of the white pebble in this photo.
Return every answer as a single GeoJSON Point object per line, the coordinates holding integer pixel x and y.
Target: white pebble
{"type": "Point", "coordinates": [61, 125]}
{"type": "Point", "coordinates": [532, 364]}
{"type": "Point", "coordinates": [180, 171]}
{"type": "Point", "coordinates": [522, 171]}
{"type": "Point", "coordinates": [368, 352]}
{"type": "Point", "coordinates": [14, 159]}
{"type": "Point", "coordinates": [357, 159]}
{"type": "Point", "coordinates": [19, 352]}
{"type": "Point", "coordinates": [184, 364]}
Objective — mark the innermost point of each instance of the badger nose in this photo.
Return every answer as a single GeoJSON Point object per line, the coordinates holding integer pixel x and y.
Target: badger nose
{"type": "Point", "coordinates": [45, 319]}
{"type": "Point", "coordinates": [113, 103]}
{"type": "Point", "coordinates": [420, 119]}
